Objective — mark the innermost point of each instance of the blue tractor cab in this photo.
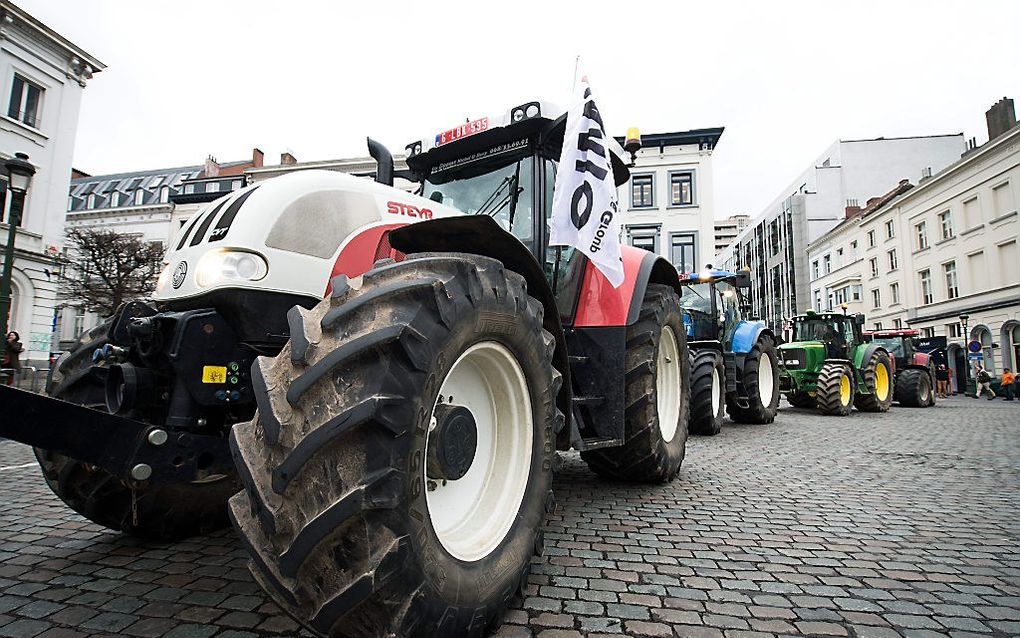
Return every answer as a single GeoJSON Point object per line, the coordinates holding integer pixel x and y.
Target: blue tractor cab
{"type": "Point", "coordinates": [734, 361]}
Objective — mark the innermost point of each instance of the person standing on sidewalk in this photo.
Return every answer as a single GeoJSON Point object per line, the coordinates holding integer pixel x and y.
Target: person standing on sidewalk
{"type": "Point", "coordinates": [984, 382]}
{"type": "Point", "coordinates": [12, 356]}
{"type": "Point", "coordinates": [1007, 384]}
{"type": "Point", "coordinates": [942, 382]}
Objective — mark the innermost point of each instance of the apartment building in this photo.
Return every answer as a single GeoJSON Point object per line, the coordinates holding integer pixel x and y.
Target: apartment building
{"type": "Point", "coordinates": [727, 230]}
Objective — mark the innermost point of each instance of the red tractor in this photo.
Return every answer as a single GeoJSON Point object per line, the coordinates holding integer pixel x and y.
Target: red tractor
{"type": "Point", "coordinates": [914, 370]}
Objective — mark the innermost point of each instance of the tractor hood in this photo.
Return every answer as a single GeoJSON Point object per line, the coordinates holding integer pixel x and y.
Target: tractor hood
{"type": "Point", "coordinates": [286, 234]}
{"type": "Point", "coordinates": [802, 355]}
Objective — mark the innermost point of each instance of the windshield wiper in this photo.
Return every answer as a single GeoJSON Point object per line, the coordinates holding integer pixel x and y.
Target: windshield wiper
{"type": "Point", "coordinates": [493, 198]}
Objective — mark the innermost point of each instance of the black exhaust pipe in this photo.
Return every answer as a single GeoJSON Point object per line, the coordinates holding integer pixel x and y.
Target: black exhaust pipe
{"type": "Point", "coordinates": [384, 161]}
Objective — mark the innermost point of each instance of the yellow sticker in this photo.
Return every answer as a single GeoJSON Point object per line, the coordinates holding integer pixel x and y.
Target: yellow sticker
{"type": "Point", "coordinates": [214, 374]}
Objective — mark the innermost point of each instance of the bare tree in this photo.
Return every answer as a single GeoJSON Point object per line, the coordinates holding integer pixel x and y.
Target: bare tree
{"type": "Point", "coordinates": [107, 268]}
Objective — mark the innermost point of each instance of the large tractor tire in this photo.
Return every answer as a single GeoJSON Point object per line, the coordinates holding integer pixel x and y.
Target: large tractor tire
{"type": "Point", "coordinates": [164, 513]}
{"type": "Point", "coordinates": [834, 391]}
{"type": "Point", "coordinates": [708, 379]}
{"type": "Point", "coordinates": [657, 395]}
{"type": "Point", "coordinates": [399, 467]}
{"type": "Point", "coordinates": [878, 380]}
{"type": "Point", "coordinates": [913, 388]}
{"type": "Point", "coordinates": [760, 378]}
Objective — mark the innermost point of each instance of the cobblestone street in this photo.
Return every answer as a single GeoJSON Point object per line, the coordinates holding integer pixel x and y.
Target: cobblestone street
{"type": "Point", "coordinates": [875, 526]}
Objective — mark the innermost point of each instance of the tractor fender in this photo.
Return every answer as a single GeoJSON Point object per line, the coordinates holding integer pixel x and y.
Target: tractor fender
{"type": "Point", "coordinates": [601, 305]}
{"type": "Point", "coordinates": [747, 334]}
{"type": "Point", "coordinates": [864, 354]}
{"type": "Point", "coordinates": [482, 235]}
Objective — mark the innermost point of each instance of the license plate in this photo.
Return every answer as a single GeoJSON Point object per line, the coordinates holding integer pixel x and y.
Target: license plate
{"type": "Point", "coordinates": [462, 131]}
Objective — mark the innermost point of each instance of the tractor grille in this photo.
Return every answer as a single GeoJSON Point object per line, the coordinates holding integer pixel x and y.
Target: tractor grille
{"type": "Point", "coordinates": [793, 358]}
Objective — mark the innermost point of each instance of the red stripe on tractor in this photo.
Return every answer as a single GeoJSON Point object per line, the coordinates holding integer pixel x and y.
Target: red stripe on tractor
{"type": "Point", "coordinates": [362, 251]}
{"type": "Point", "coordinates": [602, 305]}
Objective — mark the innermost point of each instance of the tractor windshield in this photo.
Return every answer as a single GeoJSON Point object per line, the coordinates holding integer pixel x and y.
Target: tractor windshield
{"type": "Point", "coordinates": [504, 193]}
{"type": "Point", "coordinates": [697, 298]}
{"type": "Point", "coordinates": [894, 345]}
{"type": "Point", "coordinates": [821, 329]}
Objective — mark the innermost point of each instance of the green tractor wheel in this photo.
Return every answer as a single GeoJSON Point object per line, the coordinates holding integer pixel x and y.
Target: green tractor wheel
{"type": "Point", "coordinates": [878, 384]}
{"type": "Point", "coordinates": [834, 392]}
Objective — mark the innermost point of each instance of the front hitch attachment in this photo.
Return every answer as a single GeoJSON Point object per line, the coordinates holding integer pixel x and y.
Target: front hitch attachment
{"type": "Point", "coordinates": [129, 449]}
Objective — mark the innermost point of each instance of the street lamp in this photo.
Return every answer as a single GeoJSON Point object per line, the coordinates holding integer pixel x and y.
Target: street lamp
{"type": "Point", "coordinates": [19, 173]}
{"type": "Point", "coordinates": [966, 349]}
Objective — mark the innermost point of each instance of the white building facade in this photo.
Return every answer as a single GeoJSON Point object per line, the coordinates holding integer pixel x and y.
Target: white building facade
{"type": "Point", "coordinates": [942, 250]}
{"type": "Point", "coordinates": [43, 76]}
{"type": "Point", "coordinates": [773, 246]}
{"type": "Point", "coordinates": [669, 202]}
{"type": "Point", "coordinates": [727, 230]}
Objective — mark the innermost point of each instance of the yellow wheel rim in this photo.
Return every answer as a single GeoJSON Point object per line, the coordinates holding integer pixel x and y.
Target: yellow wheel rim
{"type": "Point", "coordinates": [881, 382]}
{"type": "Point", "coordinates": [844, 390]}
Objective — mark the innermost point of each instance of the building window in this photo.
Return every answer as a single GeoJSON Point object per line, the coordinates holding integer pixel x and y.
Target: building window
{"type": "Point", "coordinates": [873, 262]}
{"type": "Point", "coordinates": [897, 323]}
{"type": "Point", "coordinates": [814, 269]}
{"type": "Point", "coordinates": [892, 260]}
{"type": "Point", "coordinates": [871, 239]}
{"type": "Point", "coordinates": [878, 325]}
{"type": "Point", "coordinates": [164, 194]}
{"type": "Point", "coordinates": [139, 197]}
{"type": "Point", "coordinates": [971, 213]}
{"type": "Point", "coordinates": [26, 98]}
{"type": "Point", "coordinates": [853, 250]}
{"type": "Point", "coordinates": [954, 330]}
{"type": "Point", "coordinates": [235, 184]}
{"type": "Point", "coordinates": [114, 199]}
{"type": "Point", "coordinates": [818, 301]}
{"type": "Point", "coordinates": [890, 229]}
{"type": "Point", "coordinates": [641, 191]}
{"type": "Point", "coordinates": [926, 292]}
{"type": "Point", "coordinates": [90, 201]}
{"type": "Point", "coordinates": [826, 264]}
{"type": "Point", "coordinates": [1002, 200]}
{"type": "Point", "coordinates": [952, 285]}
{"type": "Point", "coordinates": [78, 324]}
{"type": "Point", "coordinates": [876, 298]}
{"type": "Point", "coordinates": [212, 187]}
{"type": "Point", "coordinates": [946, 222]}
{"type": "Point", "coordinates": [856, 290]}
{"type": "Point", "coordinates": [646, 238]}
{"type": "Point", "coordinates": [928, 333]}
{"type": "Point", "coordinates": [681, 188]}
{"type": "Point", "coordinates": [894, 292]}
{"type": "Point", "coordinates": [922, 235]}
{"type": "Point", "coordinates": [839, 257]}
{"type": "Point", "coordinates": [682, 251]}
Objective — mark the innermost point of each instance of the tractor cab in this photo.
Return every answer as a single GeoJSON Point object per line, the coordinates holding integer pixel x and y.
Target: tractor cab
{"type": "Point", "coordinates": [713, 301]}
{"type": "Point", "coordinates": [898, 343]}
{"type": "Point", "coordinates": [835, 333]}
{"type": "Point", "coordinates": [504, 167]}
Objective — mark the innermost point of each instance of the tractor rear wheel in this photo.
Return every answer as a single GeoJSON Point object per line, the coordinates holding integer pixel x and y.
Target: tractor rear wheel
{"type": "Point", "coordinates": [759, 376]}
{"type": "Point", "coordinates": [165, 512]}
{"type": "Point", "coordinates": [657, 395]}
{"type": "Point", "coordinates": [878, 382]}
{"type": "Point", "coordinates": [708, 376]}
{"type": "Point", "coordinates": [801, 400]}
{"type": "Point", "coordinates": [834, 391]}
{"type": "Point", "coordinates": [399, 467]}
{"type": "Point", "coordinates": [913, 388]}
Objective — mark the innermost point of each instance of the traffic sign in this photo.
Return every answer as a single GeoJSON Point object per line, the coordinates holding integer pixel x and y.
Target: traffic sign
{"type": "Point", "coordinates": [974, 346]}
{"type": "Point", "coordinates": [975, 356]}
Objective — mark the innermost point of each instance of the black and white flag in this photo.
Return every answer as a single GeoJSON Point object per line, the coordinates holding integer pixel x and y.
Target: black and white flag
{"type": "Point", "coordinates": [585, 212]}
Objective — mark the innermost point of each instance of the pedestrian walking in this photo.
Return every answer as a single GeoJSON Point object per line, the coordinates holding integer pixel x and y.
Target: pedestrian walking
{"type": "Point", "coordinates": [1008, 379]}
{"type": "Point", "coordinates": [984, 381]}
{"type": "Point", "coordinates": [12, 356]}
{"type": "Point", "coordinates": [942, 382]}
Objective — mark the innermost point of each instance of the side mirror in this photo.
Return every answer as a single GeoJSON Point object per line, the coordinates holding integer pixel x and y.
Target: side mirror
{"type": "Point", "coordinates": [859, 318]}
{"type": "Point", "coordinates": [743, 279]}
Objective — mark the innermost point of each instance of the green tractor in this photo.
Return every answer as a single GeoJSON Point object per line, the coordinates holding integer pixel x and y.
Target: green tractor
{"type": "Point", "coordinates": [829, 366]}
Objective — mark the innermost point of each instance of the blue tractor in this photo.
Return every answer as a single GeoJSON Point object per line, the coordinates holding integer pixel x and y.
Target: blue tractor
{"type": "Point", "coordinates": [734, 361]}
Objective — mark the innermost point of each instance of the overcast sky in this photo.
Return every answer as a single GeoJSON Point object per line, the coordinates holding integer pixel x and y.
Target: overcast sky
{"type": "Point", "coordinates": [186, 79]}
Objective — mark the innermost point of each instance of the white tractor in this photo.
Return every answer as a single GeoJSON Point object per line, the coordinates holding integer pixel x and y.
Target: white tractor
{"type": "Point", "coordinates": [394, 374]}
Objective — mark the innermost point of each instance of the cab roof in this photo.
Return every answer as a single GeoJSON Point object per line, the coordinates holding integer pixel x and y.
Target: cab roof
{"type": "Point", "coordinates": [478, 139]}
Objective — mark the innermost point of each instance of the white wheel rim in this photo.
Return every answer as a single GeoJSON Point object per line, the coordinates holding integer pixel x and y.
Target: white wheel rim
{"type": "Point", "coordinates": [766, 382]}
{"type": "Point", "coordinates": [716, 392]}
{"type": "Point", "coordinates": [667, 384]}
{"type": "Point", "coordinates": [473, 514]}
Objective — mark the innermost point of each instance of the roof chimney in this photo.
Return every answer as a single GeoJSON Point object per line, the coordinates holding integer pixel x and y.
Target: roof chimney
{"type": "Point", "coordinates": [1000, 118]}
{"type": "Point", "coordinates": [852, 211]}
{"type": "Point", "coordinates": [212, 167]}
{"type": "Point", "coordinates": [256, 158]}
{"type": "Point", "coordinates": [286, 159]}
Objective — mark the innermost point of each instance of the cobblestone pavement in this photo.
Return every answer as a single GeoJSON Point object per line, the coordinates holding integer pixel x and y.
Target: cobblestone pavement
{"type": "Point", "coordinates": [904, 524]}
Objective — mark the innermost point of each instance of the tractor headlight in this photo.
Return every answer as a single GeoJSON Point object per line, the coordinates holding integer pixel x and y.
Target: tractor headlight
{"type": "Point", "coordinates": [219, 266]}
{"type": "Point", "coordinates": [164, 277]}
